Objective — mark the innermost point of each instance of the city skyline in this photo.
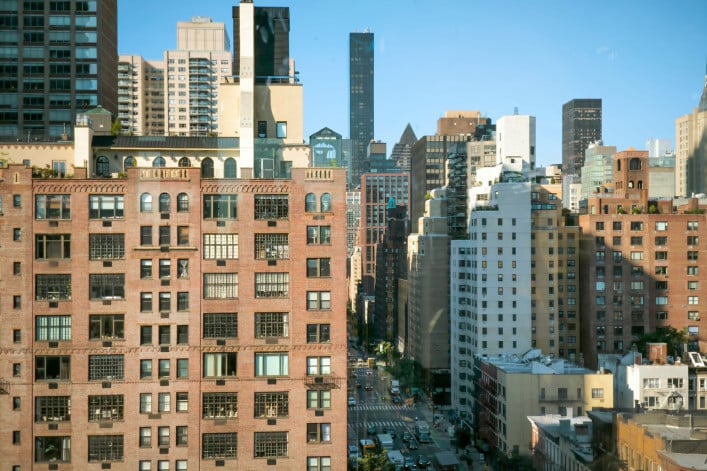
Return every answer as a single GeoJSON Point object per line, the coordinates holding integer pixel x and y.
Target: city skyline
{"type": "Point", "coordinates": [646, 62]}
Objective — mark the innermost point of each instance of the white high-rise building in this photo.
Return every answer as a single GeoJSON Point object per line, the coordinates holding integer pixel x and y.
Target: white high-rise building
{"type": "Point", "coordinates": [515, 140]}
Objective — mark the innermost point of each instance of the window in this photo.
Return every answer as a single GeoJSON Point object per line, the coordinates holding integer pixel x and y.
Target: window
{"type": "Point", "coordinates": [319, 432]}
{"type": "Point", "coordinates": [281, 129]}
{"type": "Point", "coordinates": [636, 240]}
{"type": "Point", "coordinates": [636, 226]}
{"type": "Point", "coordinates": [693, 240]}
{"type": "Point", "coordinates": [183, 301]}
{"type": "Point", "coordinates": [182, 203]}
{"type": "Point", "coordinates": [110, 286]}
{"type": "Point", "coordinates": [693, 225]}
{"type": "Point", "coordinates": [182, 367]}
{"type": "Point", "coordinates": [638, 255]}
{"type": "Point", "coordinates": [52, 207]}
{"type": "Point", "coordinates": [318, 366]}
{"type": "Point", "coordinates": [599, 225]}
{"type": "Point", "coordinates": [52, 449]}
{"type": "Point", "coordinates": [272, 246]}
{"type": "Point", "coordinates": [145, 403]}
{"type": "Point", "coordinates": [229, 168]}
{"type": "Point", "coordinates": [692, 256]}
{"type": "Point", "coordinates": [271, 325]}
{"type": "Point", "coordinates": [319, 399]}
{"type": "Point", "coordinates": [164, 334]}
{"type": "Point", "coordinates": [220, 246]}
{"type": "Point", "coordinates": [692, 285]}
{"type": "Point", "coordinates": [691, 300]}
{"type": "Point", "coordinates": [163, 367]}
{"type": "Point", "coordinates": [52, 367]}
{"type": "Point", "coordinates": [318, 300]}
{"type": "Point", "coordinates": [164, 402]}
{"type": "Point", "coordinates": [219, 446]}
{"type": "Point", "coordinates": [106, 246]}
{"type": "Point", "coordinates": [145, 437]}
{"type": "Point", "coordinates": [107, 407]}
{"type": "Point", "coordinates": [271, 364]}
{"type": "Point", "coordinates": [693, 270]}
{"type": "Point", "coordinates": [318, 463]}
{"type": "Point", "coordinates": [271, 207]}
{"type": "Point", "coordinates": [651, 383]}
{"type": "Point", "coordinates": [53, 328]}
{"type": "Point", "coordinates": [53, 288]}
{"type": "Point", "coordinates": [318, 267]}
{"type": "Point", "coordinates": [318, 333]}
{"type": "Point", "coordinates": [164, 201]}
{"type": "Point", "coordinates": [325, 203]}
{"type": "Point", "coordinates": [145, 302]}
{"type": "Point", "coordinates": [218, 365]}
{"type": "Point", "coordinates": [182, 236]}
{"type": "Point", "coordinates": [52, 408]}
{"type": "Point", "coordinates": [105, 367]}
{"type": "Point", "coordinates": [181, 433]}
{"type": "Point", "coordinates": [310, 203]}
{"type": "Point", "coordinates": [220, 325]}
{"type": "Point", "coordinates": [220, 207]}
{"type": "Point", "coordinates": [262, 129]}
{"type": "Point", "coordinates": [318, 235]}
{"type": "Point", "coordinates": [106, 206]}
{"type": "Point", "coordinates": [165, 269]}
{"type": "Point", "coordinates": [272, 285]}
{"type": "Point", "coordinates": [52, 246]}
{"type": "Point", "coordinates": [145, 269]}
{"type": "Point", "coordinates": [220, 405]}
{"type": "Point", "coordinates": [105, 448]}
{"type": "Point", "coordinates": [661, 226]}
{"type": "Point", "coordinates": [182, 402]}
{"type": "Point", "coordinates": [164, 235]}
{"type": "Point", "coordinates": [220, 285]}
{"type": "Point", "coordinates": [145, 235]}
{"type": "Point", "coordinates": [270, 444]}
{"type": "Point", "coordinates": [207, 165]}
{"type": "Point", "coordinates": [145, 203]}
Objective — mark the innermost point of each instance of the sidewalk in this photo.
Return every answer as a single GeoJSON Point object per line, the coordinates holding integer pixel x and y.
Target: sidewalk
{"type": "Point", "coordinates": [443, 434]}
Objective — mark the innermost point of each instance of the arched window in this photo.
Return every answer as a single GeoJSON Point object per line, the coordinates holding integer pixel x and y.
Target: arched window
{"type": "Point", "coordinates": [184, 162]}
{"type": "Point", "coordinates": [630, 183]}
{"type": "Point", "coordinates": [640, 184]}
{"type": "Point", "coordinates": [618, 165]}
{"type": "Point", "coordinates": [129, 162]}
{"type": "Point", "coordinates": [310, 203]}
{"type": "Point", "coordinates": [145, 202]}
{"type": "Point", "coordinates": [182, 202]}
{"type": "Point", "coordinates": [325, 203]}
{"type": "Point", "coordinates": [102, 166]}
{"type": "Point", "coordinates": [207, 168]}
{"type": "Point", "coordinates": [158, 162]}
{"type": "Point", "coordinates": [164, 202]}
{"type": "Point", "coordinates": [635, 164]}
{"type": "Point", "coordinates": [229, 168]}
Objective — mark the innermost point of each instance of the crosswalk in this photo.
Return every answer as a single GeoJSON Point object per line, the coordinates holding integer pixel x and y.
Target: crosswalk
{"type": "Point", "coordinates": [379, 424]}
{"type": "Point", "coordinates": [379, 407]}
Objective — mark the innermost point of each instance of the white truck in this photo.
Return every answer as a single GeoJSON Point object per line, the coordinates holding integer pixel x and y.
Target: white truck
{"type": "Point", "coordinates": [385, 441]}
{"type": "Point", "coordinates": [422, 430]}
{"type": "Point", "coordinates": [395, 387]}
{"type": "Point", "coordinates": [396, 458]}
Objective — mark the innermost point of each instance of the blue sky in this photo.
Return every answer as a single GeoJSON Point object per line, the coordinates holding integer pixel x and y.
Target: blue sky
{"type": "Point", "coordinates": [645, 58]}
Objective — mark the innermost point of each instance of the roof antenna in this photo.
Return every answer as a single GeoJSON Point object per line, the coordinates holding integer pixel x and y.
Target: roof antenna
{"type": "Point", "coordinates": [515, 110]}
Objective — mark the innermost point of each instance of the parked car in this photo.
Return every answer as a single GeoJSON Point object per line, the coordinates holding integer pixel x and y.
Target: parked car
{"type": "Point", "coordinates": [423, 461]}
{"type": "Point", "coordinates": [409, 463]}
{"type": "Point", "coordinates": [352, 401]}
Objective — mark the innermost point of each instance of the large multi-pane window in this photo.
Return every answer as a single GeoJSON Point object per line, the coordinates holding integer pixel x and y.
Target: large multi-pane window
{"type": "Point", "coordinates": [52, 207]}
{"type": "Point", "coordinates": [271, 364]}
{"type": "Point", "coordinates": [52, 367]}
{"type": "Point", "coordinates": [220, 364]}
{"type": "Point", "coordinates": [106, 206]}
{"type": "Point", "coordinates": [52, 449]}
{"type": "Point", "coordinates": [220, 405]}
{"type": "Point", "coordinates": [52, 246]}
{"type": "Point", "coordinates": [272, 285]}
{"type": "Point", "coordinates": [318, 365]}
{"type": "Point", "coordinates": [52, 408]}
{"type": "Point", "coordinates": [220, 206]}
{"type": "Point", "coordinates": [272, 404]}
{"type": "Point", "coordinates": [318, 235]}
{"type": "Point", "coordinates": [318, 300]}
{"type": "Point", "coordinates": [272, 246]}
{"type": "Point", "coordinates": [106, 407]}
{"type": "Point", "coordinates": [53, 328]}
{"type": "Point", "coordinates": [220, 246]}
{"type": "Point", "coordinates": [105, 367]}
{"type": "Point", "coordinates": [319, 399]}
{"type": "Point", "coordinates": [105, 448]}
{"type": "Point", "coordinates": [270, 444]}
{"type": "Point", "coordinates": [106, 286]}
{"type": "Point", "coordinates": [219, 445]}
{"type": "Point", "coordinates": [318, 267]}
{"type": "Point", "coordinates": [272, 207]}
{"type": "Point", "coordinates": [220, 285]}
{"type": "Point", "coordinates": [53, 288]}
{"type": "Point", "coordinates": [220, 325]}
{"type": "Point", "coordinates": [271, 325]}
{"type": "Point", "coordinates": [106, 246]}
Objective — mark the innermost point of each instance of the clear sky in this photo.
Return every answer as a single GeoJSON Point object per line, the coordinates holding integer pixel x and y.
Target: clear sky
{"type": "Point", "coordinates": [645, 58]}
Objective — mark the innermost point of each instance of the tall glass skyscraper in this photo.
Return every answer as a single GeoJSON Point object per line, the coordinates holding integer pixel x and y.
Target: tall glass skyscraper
{"type": "Point", "coordinates": [360, 100]}
{"type": "Point", "coordinates": [57, 59]}
{"type": "Point", "coordinates": [581, 126]}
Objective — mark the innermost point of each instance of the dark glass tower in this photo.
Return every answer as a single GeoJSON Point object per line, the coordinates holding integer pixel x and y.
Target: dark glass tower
{"type": "Point", "coordinates": [57, 59]}
{"type": "Point", "coordinates": [581, 125]}
{"type": "Point", "coordinates": [360, 100]}
{"type": "Point", "coordinates": [272, 43]}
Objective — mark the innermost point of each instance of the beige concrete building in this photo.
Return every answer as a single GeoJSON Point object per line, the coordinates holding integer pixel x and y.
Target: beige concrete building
{"type": "Point", "coordinates": [691, 150]}
{"type": "Point", "coordinates": [511, 388]}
